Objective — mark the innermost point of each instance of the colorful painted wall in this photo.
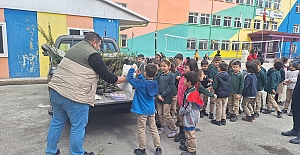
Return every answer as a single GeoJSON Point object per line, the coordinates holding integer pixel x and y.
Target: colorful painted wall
{"type": "Point", "coordinates": [173, 20]}
{"type": "Point", "coordinates": [25, 58]}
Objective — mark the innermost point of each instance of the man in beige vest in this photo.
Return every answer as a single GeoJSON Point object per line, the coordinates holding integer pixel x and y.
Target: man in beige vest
{"type": "Point", "coordinates": [72, 92]}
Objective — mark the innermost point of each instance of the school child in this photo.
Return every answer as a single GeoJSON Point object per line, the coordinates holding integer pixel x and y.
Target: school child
{"type": "Point", "coordinates": [261, 82]}
{"type": "Point", "coordinates": [190, 112]}
{"type": "Point", "coordinates": [159, 56]}
{"type": "Point", "coordinates": [221, 85]}
{"type": "Point", "coordinates": [189, 65]}
{"type": "Point", "coordinates": [272, 87]}
{"type": "Point", "coordinates": [237, 86]}
{"type": "Point", "coordinates": [196, 55]}
{"type": "Point", "coordinates": [205, 83]}
{"type": "Point", "coordinates": [291, 79]}
{"type": "Point", "coordinates": [283, 72]}
{"type": "Point", "coordinates": [213, 69]}
{"type": "Point", "coordinates": [143, 105]}
{"type": "Point", "coordinates": [252, 55]}
{"type": "Point", "coordinates": [249, 91]}
{"type": "Point", "coordinates": [166, 81]}
{"type": "Point", "coordinates": [261, 60]}
{"type": "Point", "coordinates": [175, 87]}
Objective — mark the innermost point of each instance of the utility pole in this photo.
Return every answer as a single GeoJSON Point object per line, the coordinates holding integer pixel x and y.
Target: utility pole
{"type": "Point", "coordinates": [155, 34]}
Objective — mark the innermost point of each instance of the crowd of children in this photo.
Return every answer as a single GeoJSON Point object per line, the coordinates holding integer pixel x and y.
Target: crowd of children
{"type": "Point", "coordinates": [173, 93]}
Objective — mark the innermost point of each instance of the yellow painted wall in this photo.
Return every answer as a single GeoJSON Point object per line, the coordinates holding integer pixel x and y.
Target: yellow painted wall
{"type": "Point", "coordinates": [58, 24]}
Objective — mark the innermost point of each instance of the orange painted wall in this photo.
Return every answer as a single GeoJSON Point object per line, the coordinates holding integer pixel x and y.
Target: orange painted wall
{"type": "Point", "coordinates": [85, 22]}
{"type": "Point", "coordinates": [177, 14]}
{"type": "Point", "coordinates": [4, 68]}
{"type": "Point", "coordinates": [146, 8]}
{"type": "Point", "coordinates": [204, 6]}
{"type": "Point", "coordinates": [1, 15]}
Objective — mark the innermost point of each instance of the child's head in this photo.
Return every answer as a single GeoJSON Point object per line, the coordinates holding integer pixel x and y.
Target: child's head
{"type": "Point", "coordinates": [159, 56]}
{"type": "Point", "coordinates": [252, 52]}
{"type": "Point", "coordinates": [190, 79]}
{"type": "Point", "coordinates": [223, 66]}
{"type": "Point", "coordinates": [217, 60]}
{"type": "Point", "coordinates": [276, 60]}
{"type": "Point", "coordinates": [284, 60]}
{"type": "Point", "coordinates": [278, 65]}
{"type": "Point", "coordinates": [291, 66]}
{"type": "Point", "coordinates": [251, 67]}
{"type": "Point", "coordinates": [261, 60]}
{"type": "Point", "coordinates": [258, 63]}
{"type": "Point", "coordinates": [236, 66]}
{"type": "Point", "coordinates": [190, 65]}
{"type": "Point", "coordinates": [156, 63]}
{"type": "Point", "coordinates": [150, 70]}
{"type": "Point", "coordinates": [196, 51]}
{"type": "Point", "coordinates": [165, 65]}
{"type": "Point", "coordinates": [204, 65]}
{"type": "Point", "coordinates": [201, 75]}
{"type": "Point", "coordinates": [178, 58]}
{"type": "Point", "coordinates": [140, 58]}
{"type": "Point", "coordinates": [230, 63]}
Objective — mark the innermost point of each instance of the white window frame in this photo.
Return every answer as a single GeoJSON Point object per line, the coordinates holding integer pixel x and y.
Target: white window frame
{"type": "Point", "coordinates": [249, 2]}
{"type": "Point", "coordinates": [215, 18]}
{"type": "Point", "coordinates": [82, 31]}
{"type": "Point", "coordinates": [235, 46]}
{"type": "Point", "coordinates": [227, 21]}
{"type": "Point", "coordinates": [277, 4]}
{"type": "Point", "coordinates": [294, 48]}
{"type": "Point", "coordinates": [225, 45]}
{"type": "Point", "coordinates": [266, 25]}
{"type": "Point", "coordinates": [195, 17]}
{"type": "Point", "coordinates": [268, 3]}
{"type": "Point", "coordinates": [189, 43]}
{"type": "Point", "coordinates": [123, 39]}
{"type": "Point", "coordinates": [255, 23]}
{"type": "Point", "coordinates": [274, 26]}
{"type": "Point", "coordinates": [296, 28]}
{"type": "Point", "coordinates": [297, 8]}
{"type": "Point", "coordinates": [248, 21]}
{"type": "Point", "coordinates": [213, 43]}
{"type": "Point", "coordinates": [237, 22]}
{"type": "Point", "coordinates": [204, 44]}
{"type": "Point", "coordinates": [259, 3]}
{"type": "Point", "coordinates": [206, 18]}
{"type": "Point", "coordinates": [4, 35]}
{"type": "Point", "coordinates": [240, 1]}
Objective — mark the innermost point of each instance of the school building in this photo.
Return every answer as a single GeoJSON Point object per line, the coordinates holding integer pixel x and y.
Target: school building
{"type": "Point", "coordinates": [20, 41]}
{"type": "Point", "coordinates": [210, 25]}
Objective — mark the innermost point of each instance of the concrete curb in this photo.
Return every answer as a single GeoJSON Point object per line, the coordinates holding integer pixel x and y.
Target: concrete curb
{"type": "Point", "coordinates": [23, 81]}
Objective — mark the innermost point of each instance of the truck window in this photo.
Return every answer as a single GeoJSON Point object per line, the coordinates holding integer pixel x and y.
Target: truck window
{"type": "Point", "coordinates": [108, 47]}
{"type": "Point", "coordinates": [66, 45]}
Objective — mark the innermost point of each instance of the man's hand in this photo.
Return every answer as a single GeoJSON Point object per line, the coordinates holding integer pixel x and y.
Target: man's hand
{"type": "Point", "coordinates": [138, 72]}
{"type": "Point", "coordinates": [238, 96]}
{"type": "Point", "coordinates": [160, 98]}
{"type": "Point", "coordinates": [121, 80]}
{"type": "Point", "coordinates": [274, 91]}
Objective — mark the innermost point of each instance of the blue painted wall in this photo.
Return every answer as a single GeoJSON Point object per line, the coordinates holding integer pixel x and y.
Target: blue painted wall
{"type": "Point", "coordinates": [22, 41]}
{"type": "Point", "coordinates": [111, 26]}
{"type": "Point", "coordinates": [287, 26]}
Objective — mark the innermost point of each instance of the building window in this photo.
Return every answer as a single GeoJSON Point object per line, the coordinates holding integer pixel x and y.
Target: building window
{"type": "Point", "coordinates": [298, 8]}
{"type": "Point", "coordinates": [3, 42]}
{"type": "Point", "coordinates": [205, 19]}
{"type": "Point", "coordinates": [203, 44]}
{"type": "Point", "coordinates": [123, 40]}
{"type": "Point", "coordinates": [237, 23]}
{"type": "Point", "coordinates": [250, 2]}
{"type": "Point", "coordinates": [268, 4]}
{"type": "Point", "coordinates": [123, 4]}
{"type": "Point", "coordinates": [266, 25]}
{"type": "Point", "coordinates": [275, 26]}
{"type": "Point", "coordinates": [246, 46]}
{"type": "Point", "coordinates": [227, 21]}
{"type": "Point", "coordinates": [73, 31]}
{"type": "Point", "coordinates": [235, 45]}
{"type": "Point", "coordinates": [294, 48]}
{"type": "Point", "coordinates": [240, 1]}
{"type": "Point", "coordinates": [260, 3]}
{"type": "Point", "coordinates": [277, 4]}
{"type": "Point", "coordinates": [229, 1]}
{"type": "Point", "coordinates": [216, 20]}
{"type": "Point", "coordinates": [193, 18]}
{"type": "Point", "coordinates": [296, 28]}
{"type": "Point", "coordinates": [257, 24]}
{"type": "Point", "coordinates": [247, 23]}
{"type": "Point", "coordinates": [214, 45]}
{"type": "Point", "coordinates": [191, 44]}
{"type": "Point", "coordinates": [225, 45]}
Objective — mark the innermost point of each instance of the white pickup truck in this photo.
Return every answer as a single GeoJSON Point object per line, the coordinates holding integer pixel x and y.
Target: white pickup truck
{"type": "Point", "coordinates": [103, 101]}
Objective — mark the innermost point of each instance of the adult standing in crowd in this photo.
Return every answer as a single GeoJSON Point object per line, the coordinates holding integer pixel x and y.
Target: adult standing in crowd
{"type": "Point", "coordinates": [72, 92]}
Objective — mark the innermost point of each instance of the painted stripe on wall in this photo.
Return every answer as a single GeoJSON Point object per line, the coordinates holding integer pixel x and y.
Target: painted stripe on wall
{"type": "Point", "coordinates": [1, 15]}
{"type": "Point", "coordinates": [110, 25]}
{"type": "Point", "coordinates": [22, 44]}
{"type": "Point", "coordinates": [4, 68]}
{"type": "Point", "coordinates": [58, 24]}
{"type": "Point", "coordinates": [80, 22]}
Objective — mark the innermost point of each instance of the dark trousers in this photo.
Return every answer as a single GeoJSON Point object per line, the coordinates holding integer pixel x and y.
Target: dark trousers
{"type": "Point", "coordinates": [296, 120]}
